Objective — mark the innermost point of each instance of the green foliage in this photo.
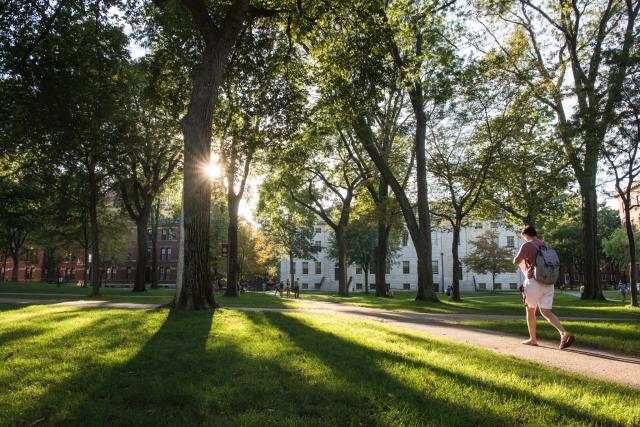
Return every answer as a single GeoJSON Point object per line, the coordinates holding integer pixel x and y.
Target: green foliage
{"type": "Point", "coordinates": [616, 247]}
{"type": "Point", "coordinates": [489, 256]}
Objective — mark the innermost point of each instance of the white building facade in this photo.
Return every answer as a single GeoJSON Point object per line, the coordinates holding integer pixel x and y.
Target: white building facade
{"type": "Point", "coordinates": [320, 274]}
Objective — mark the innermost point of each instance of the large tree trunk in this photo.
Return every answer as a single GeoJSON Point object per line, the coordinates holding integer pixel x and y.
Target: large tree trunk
{"type": "Point", "coordinates": [232, 260]}
{"type": "Point", "coordinates": [589, 196]}
{"type": "Point", "coordinates": [95, 235]}
{"type": "Point", "coordinates": [456, 262]}
{"type": "Point", "coordinates": [16, 263]}
{"type": "Point", "coordinates": [141, 261]}
{"type": "Point", "coordinates": [425, 269]}
{"type": "Point", "coordinates": [194, 290]}
{"type": "Point", "coordinates": [632, 257]}
{"type": "Point", "coordinates": [383, 241]}
{"type": "Point", "coordinates": [341, 244]}
{"type": "Point", "coordinates": [154, 247]}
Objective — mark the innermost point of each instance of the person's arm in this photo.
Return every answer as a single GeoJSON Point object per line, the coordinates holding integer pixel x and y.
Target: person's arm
{"type": "Point", "coordinates": [520, 256]}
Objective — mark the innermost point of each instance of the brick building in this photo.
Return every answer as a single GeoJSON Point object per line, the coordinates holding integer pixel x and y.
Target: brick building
{"type": "Point", "coordinates": [37, 267]}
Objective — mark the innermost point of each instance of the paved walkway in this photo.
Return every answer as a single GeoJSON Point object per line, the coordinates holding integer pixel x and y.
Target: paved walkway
{"type": "Point", "coordinates": [606, 365]}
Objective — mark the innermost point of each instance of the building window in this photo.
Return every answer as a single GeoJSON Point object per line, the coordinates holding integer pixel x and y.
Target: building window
{"type": "Point", "coordinates": [497, 286]}
{"type": "Point", "coordinates": [305, 286]}
{"type": "Point", "coordinates": [305, 267]}
{"type": "Point", "coordinates": [163, 273]}
{"type": "Point", "coordinates": [168, 253]}
{"type": "Point", "coordinates": [318, 244]}
{"type": "Point", "coordinates": [318, 267]}
{"type": "Point", "coordinates": [482, 286]}
{"type": "Point", "coordinates": [128, 273]}
{"type": "Point", "coordinates": [149, 233]}
{"type": "Point", "coordinates": [148, 253]}
{"type": "Point", "coordinates": [163, 253]}
{"type": "Point", "coordinates": [358, 269]}
{"type": "Point", "coordinates": [114, 272]}
{"type": "Point", "coordinates": [494, 224]}
{"type": "Point", "coordinates": [405, 267]}
{"type": "Point", "coordinates": [388, 270]}
{"type": "Point", "coordinates": [513, 286]}
{"type": "Point", "coordinates": [318, 230]}
{"type": "Point", "coordinates": [336, 272]}
{"type": "Point", "coordinates": [164, 234]}
{"type": "Point", "coordinates": [510, 242]}
{"type": "Point", "coordinates": [406, 286]}
{"type": "Point", "coordinates": [435, 266]}
{"type": "Point", "coordinates": [358, 286]}
{"type": "Point", "coordinates": [317, 285]}
{"type": "Point", "coordinates": [405, 238]}
{"type": "Point", "coordinates": [478, 225]}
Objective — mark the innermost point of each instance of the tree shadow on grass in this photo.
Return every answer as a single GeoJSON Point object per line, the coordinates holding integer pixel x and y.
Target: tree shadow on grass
{"type": "Point", "coordinates": [362, 367]}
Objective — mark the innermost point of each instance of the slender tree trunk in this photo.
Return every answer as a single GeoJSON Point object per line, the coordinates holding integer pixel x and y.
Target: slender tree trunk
{"type": "Point", "coordinates": [341, 244]}
{"type": "Point", "coordinates": [16, 262]}
{"type": "Point", "coordinates": [4, 266]}
{"type": "Point", "coordinates": [383, 240]}
{"type": "Point", "coordinates": [154, 246]}
{"type": "Point", "coordinates": [592, 289]}
{"type": "Point", "coordinates": [95, 234]}
{"type": "Point", "coordinates": [291, 265]}
{"type": "Point", "coordinates": [366, 280]}
{"type": "Point", "coordinates": [425, 269]}
{"type": "Point", "coordinates": [139, 284]}
{"type": "Point", "coordinates": [232, 260]}
{"type": "Point", "coordinates": [456, 261]}
{"type": "Point", "coordinates": [632, 257]}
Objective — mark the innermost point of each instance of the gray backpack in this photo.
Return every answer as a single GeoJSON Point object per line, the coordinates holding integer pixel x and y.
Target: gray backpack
{"type": "Point", "coordinates": [546, 270]}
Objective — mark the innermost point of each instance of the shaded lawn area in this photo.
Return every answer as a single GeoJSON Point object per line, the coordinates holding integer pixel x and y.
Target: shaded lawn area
{"type": "Point", "coordinates": [65, 365]}
{"type": "Point", "coordinates": [617, 336]}
{"type": "Point", "coordinates": [485, 303]}
{"type": "Point", "coordinates": [46, 291]}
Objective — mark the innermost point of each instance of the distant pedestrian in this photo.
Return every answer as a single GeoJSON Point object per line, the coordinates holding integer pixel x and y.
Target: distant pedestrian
{"type": "Point", "coordinates": [622, 288]}
{"type": "Point", "coordinates": [537, 294]}
{"type": "Point", "coordinates": [296, 289]}
{"type": "Point", "coordinates": [449, 290]}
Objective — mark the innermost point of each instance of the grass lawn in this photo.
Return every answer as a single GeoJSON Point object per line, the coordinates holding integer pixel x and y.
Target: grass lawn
{"type": "Point", "coordinates": [48, 291]}
{"type": "Point", "coordinates": [485, 303]}
{"type": "Point", "coordinates": [65, 365]}
{"type": "Point", "coordinates": [617, 336]}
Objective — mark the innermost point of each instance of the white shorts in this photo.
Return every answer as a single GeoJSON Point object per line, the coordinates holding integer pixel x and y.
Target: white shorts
{"type": "Point", "coordinates": [537, 295]}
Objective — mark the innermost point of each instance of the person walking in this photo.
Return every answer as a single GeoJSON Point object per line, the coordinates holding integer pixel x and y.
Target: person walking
{"type": "Point", "coordinates": [296, 288]}
{"type": "Point", "coordinates": [537, 295]}
{"type": "Point", "coordinates": [622, 287]}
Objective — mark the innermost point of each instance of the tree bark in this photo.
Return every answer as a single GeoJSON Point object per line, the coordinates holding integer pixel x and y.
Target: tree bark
{"type": "Point", "coordinates": [291, 265]}
{"type": "Point", "coordinates": [139, 284]}
{"type": "Point", "coordinates": [154, 246]}
{"type": "Point", "coordinates": [16, 263]}
{"type": "Point", "coordinates": [366, 280]}
{"type": "Point", "coordinates": [95, 234]}
{"type": "Point", "coordinates": [195, 291]}
{"type": "Point", "coordinates": [341, 244]}
{"type": "Point", "coordinates": [456, 261]}
{"type": "Point", "coordinates": [232, 259]}
{"type": "Point", "coordinates": [383, 242]}
{"type": "Point", "coordinates": [632, 257]}
{"type": "Point", "coordinates": [592, 289]}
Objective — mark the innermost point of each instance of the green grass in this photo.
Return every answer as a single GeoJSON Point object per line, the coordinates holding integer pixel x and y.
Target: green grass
{"type": "Point", "coordinates": [491, 303]}
{"type": "Point", "coordinates": [617, 336]}
{"type": "Point", "coordinates": [66, 292]}
{"type": "Point", "coordinates": [68, 366]}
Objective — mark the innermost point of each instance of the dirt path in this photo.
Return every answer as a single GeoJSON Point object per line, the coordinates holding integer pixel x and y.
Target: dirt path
{"type": "Point", "coordinates": [606, 365]}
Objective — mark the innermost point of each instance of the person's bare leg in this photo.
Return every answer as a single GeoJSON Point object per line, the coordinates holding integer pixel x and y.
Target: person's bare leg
{"type": "Point", "coordinates": [531, 325]}
{"type": "Point", "coordinates": [553, 319]}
